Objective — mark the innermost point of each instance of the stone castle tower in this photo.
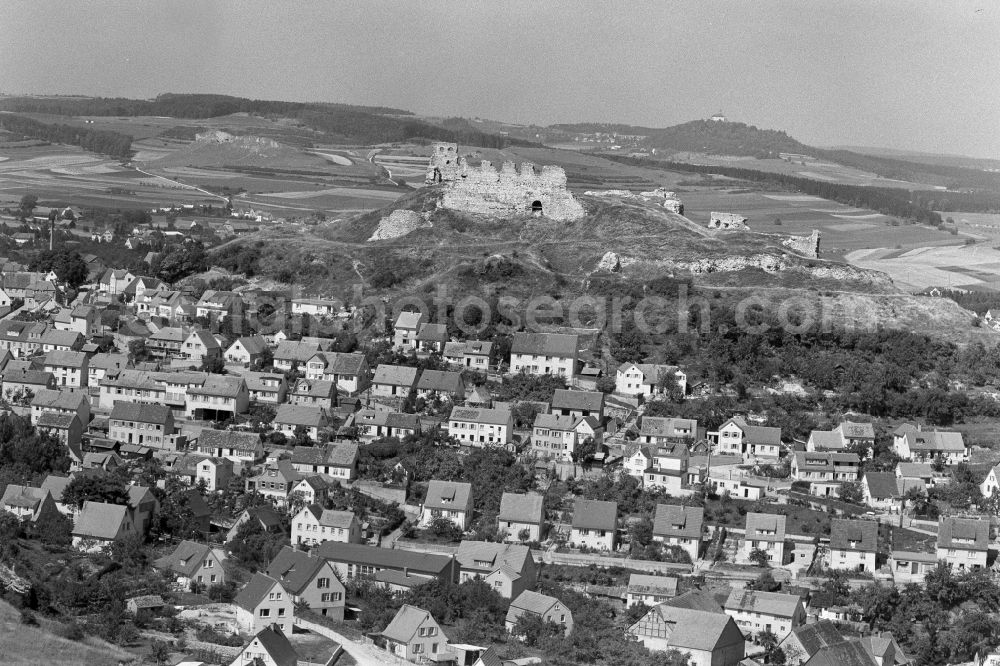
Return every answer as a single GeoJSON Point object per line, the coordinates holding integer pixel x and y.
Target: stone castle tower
{"type": "Point", "coordinates": [443, 165]}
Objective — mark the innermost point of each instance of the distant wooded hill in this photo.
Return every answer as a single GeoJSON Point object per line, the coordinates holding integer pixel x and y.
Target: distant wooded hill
{"type": "Point", "coordinates": [340, 122]}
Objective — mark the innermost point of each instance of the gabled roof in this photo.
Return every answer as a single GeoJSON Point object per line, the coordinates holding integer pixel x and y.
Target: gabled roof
{"type": "Point", "coordinates": [776, 604]}
{"type": "Point", "coordinates": [698, 630]}
{"type": "Point", "coordinates": [247, 442]}
{"type": "Point", "coordinates": [915, 470]}
{"type": "Point", "coordinates": [453, 495]}
{"type": "Point", "coordinates": [108, 361]}
{"type": "Point", "coordinates": [595, 515]}
{"type": "Point", "coordinates": [291, 350]}
{"type": "Point", "coordinates": [385, 558]}
{"type": "Point", "coordinates": [480, 415]}
{"type": "Point", "coordinates": [169, 334]}
{"type": "Point", "coordinates": [486, 556]}
{"type": "Point", "coordinates": [765, 527]}
{"type": "Point", "coordinates": [330, 517]}
{"type": "Point", "coordinates": [23, 496]}
{"type": "Point", "coordinates": [186, 559]}
{"type": "Point", "coordinates": [855, 430]}
{"type": "Point", "coordinates": [396, 375]}
{"type": "Point", "coordinates": [57, 399]}
{"type": "Point", "coordinates": [663, 426]}
{"type": "Point", "coordinates": [220, 385]}
{"type": "Point", "coordinates": [814, 637]}
{"type": "Point", "coordinates": [827, 440]}
{"type": "Point", "coordinates": [254, 591]}
{"type": "Point", "coordinates": [848, 653]}
{"type": "Point", "coordinates": [882, 485]}
{"type": "Point", "coordinates": [545, 344]}
{"type": "Point", "coordinates": [65, 358]}
{"type": "Point", "coordinates": [964, 533]}
{"type": "Point", "coordinates": [407, 620]}
{"type": "Point", "coordinates": [277, 646]}
{"type": "Point", "coordinates": [647, 584]}
{"type": "Point", "coordinates": [577, 400]}
{"type": "Point", "coordinates": [340, 454]}
{"type": "Point", "coordinates": [315, 388]}
{"type": "Point", "coordinates": [205, 338]}
{"type": "Point", "coordinates": [440, 381]}
{"type": "Point", "coordinates": [253, 344]}
{"type": "Point", "coordinates": [696, 600]}
{"type": "Point", "coordinates": [99, 520]}
{"type": "Point", "coordinates": [143, 412]}
{"type": "Point", "coordinates": [522, 508]}
{"type": "Point", "coordinates": [530, 602]}
{"type": "Point", "coordinates": [295, 569]}
{"type": "Point", "coordinates": [60, 420]}
{"type": "Point", "coordinates": [56, 485]}
{"type": "Point", "coordinates": [672, 520]}
{"type": "Point", "coordinates": [855, 535]}
{"type": "Point", "coordinates": [432, 333]}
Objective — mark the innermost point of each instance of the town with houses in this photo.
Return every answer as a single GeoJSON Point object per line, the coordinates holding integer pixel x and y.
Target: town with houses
{"type": "Point", "coordinates": [280, 485]}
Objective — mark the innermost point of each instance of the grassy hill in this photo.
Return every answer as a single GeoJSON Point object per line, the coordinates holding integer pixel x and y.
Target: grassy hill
{"type": "Point", "coordinates": [22, 645]}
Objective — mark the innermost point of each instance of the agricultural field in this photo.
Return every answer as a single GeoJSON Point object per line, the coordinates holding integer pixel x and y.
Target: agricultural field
{"type": "Point", "coordinates": [802, 166]}
{"type": "Point", "coordinates": [956, 267]}
{"type": "Point", "coordinates": [843, 229]}
{"type": "Point", "coordinates": [984, 226]}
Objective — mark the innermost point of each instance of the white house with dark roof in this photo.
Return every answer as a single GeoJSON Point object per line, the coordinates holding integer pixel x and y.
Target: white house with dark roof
{"type": "Point", "coordinates": [274, 481]}
{"type": "Point", "coordinates": [405, 330]}
{"type": "Point", "coordinates": [293, 353]}
{"type": "Point", "coordinates": [68, 367]}
{"type": "Point", "coordinates": [348, 372]}
{"type": "Point", "coordinates": [853, 544]}
{"type": "Point", "coordinates": [394, 381]}
{"type": "Point", "coordinates": [441, 383]}
{"type": "Point", "coordinates": [314, 392]}
{"type": "Point", "coordinates": [141, 423]}
{"type": "Point", "coordinates": [64, 427]}
{"type": "Point", "coordinates": [522, 516]}
{"type": "Point", "coordinates": [28, 503]}
{"type": "Point", "coordinates": [556, 436]}
{"type": "Point", "coordinates": [544, 354]}
{"type": "Point", "coordinates": [60, 402]}
{"type": "Point", "coordinates": [846, 434]}
{"type": "Point", "coordinates": [568, 402]}
{"type": "Point", "coordinates": [379, 423]}
{"type": "Point", "coordinates": [268, 387]}
{"type": "Point", "coordinates": [963, 543]}
{"type": "Point", "coordinates": [431, 338]}
{"type": "Point", "coordinates": [240, 447]}
{"type": "Point", "coordinates": [758, 612]}
{"type": "Point", "coordinates": [447, 499]}
{"type": "Point", "coordinates": [681, 526]}
{"type": "Point", "coordinates": [309, 418]}
{"type": "Point", "coordinates": [595, 524]}
{"type": "Point", "coordinates": [549, 609]}
{"type": "Point", "coordinates": [310, 580]}
{"type": "Point", "coordinates": [263, 602]}
{"type": "Point", "coordinates": [509, 569]}
{"type": "Point", "coordinates": [661, 466]}
{"type": "Point", "coordinates": [414, 635]}
{"type": "Point", "coordinates": [220, 397]}
{"type": "Point", "coordinates": [883, 491]}
{"type": "Point", "coordinates": [313, 525]}
{"type": "Point", "coordinates": [765, 532]}
{"type": "Point", "coordinates": [912, 443]}
{"type": "Point", "coordinates": [650, 590]}
{"type": "Point", "coordinates": [200, 346]}
{"type": "Point", "coordinates": [737, 437]}
{"type": "Point", "coordinates": [479, 427]}
{"type": "Point", "coordinates": [246, 351]}
{"type": "Point", "coordinates": [665, 429]}
{"type": "Point", "coordinates": [646, 379]}
{"type": "Point", "coordinates": [825, 471]}
{"type": "Point", "coordinates": [318, 307]}
{"type": "Point", "coordinates": [100, 365]}
{"type": "Point", "coordinates": [99, 523]}
{"type": "Point", "coordinates": [193, 562]}
{"type": "Point", "coordinates": [55, 340]}
{"type": "Point", "coordinates": [337, 460]}
{"type": "Point", "coordinates": [472, 354]}
{"type": "Point", "coordinates": [710, 637]}
{"type": "Point", "coordinates": [269, 647]}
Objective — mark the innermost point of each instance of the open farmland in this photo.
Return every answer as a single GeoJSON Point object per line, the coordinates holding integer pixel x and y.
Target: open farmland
{"type": "Point", "coordinates": [843, 229]}
{"type": "Point", "coordinates": [962, 266]}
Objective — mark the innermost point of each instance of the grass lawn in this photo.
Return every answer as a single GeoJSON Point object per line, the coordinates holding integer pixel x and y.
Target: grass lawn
{"type": "Point", "coordinates": [800, 520]}
{"type": "Point", "coordinates": [904, 539]}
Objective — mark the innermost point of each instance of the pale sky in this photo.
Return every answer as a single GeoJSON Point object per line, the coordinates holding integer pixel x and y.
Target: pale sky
{"type": "Point", "coordinates": [908, 74]}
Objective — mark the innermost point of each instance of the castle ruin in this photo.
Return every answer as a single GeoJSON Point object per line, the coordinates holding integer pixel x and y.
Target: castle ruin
{"type": "Point", "coordinates": [807, 245]}
{"type": "Point", "coordinates": [729, 221]}
{"type": "Point", "coordinates": [510, 192]}
{"type": "Point", "coordinates": [443, 165]}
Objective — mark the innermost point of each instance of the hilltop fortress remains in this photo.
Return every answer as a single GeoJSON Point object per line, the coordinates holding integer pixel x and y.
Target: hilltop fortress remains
{"type": "Point", "coordinates": [510, 192]}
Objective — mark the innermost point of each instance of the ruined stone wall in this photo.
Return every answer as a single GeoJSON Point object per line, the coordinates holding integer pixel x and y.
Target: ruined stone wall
{"type": "Point", "coordinates": [443, 165]}
{"type": "Point", "coordinates": [728, 221]}
{"type": "Point", "coordinates": [509, 192]}
{"type": "Point", "coordinates": [807, 245]}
